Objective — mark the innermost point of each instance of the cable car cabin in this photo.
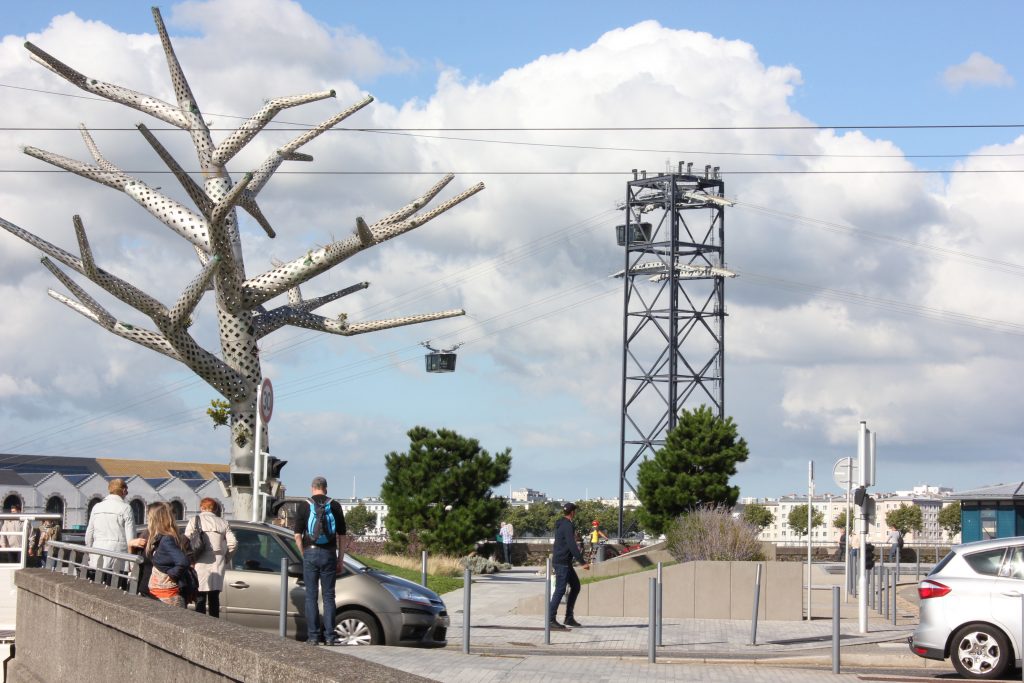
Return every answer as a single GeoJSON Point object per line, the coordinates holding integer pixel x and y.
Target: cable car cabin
{"type": "Point", "coordinates": [440, 361]}
{"type": "Point", "coordinates": [638, 233]}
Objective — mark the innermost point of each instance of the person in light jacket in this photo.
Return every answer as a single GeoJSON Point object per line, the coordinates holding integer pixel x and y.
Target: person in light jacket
{"type": "Point", "coordinates": [111, 524]}
{"type": "Point", "coordinates": [212, 561]}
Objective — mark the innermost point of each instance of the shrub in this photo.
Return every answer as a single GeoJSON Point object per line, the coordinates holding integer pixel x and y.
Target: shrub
{"type": "Point", "coordinates": [482, 565]}
{"type": "Point", "coordinates": [710, 532]}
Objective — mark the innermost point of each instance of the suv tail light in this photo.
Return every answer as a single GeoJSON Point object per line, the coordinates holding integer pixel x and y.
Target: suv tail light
{"type": "Point", "coordinates": [932, 589]}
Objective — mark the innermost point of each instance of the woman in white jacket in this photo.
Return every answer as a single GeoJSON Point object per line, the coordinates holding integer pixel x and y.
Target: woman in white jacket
{"type": "Point", "coordinates": [212, 561]}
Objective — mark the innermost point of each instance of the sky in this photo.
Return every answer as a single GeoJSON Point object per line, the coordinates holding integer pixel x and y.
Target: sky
{"type": "Point", "coordinates": [873, 157]}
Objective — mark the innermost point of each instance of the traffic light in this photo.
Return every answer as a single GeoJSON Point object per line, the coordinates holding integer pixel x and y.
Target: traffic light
{"type": "Point", "coordinates": [859, 494]}
{"type": "Point", "coordinates": [869, 556]}
{"type": "Point", "coordinates": [274, 466]}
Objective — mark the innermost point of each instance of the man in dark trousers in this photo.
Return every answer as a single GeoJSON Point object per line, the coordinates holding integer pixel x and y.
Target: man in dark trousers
{"type": "Point", "coordinates": [564, 552]}
{"type": "Point", "coordinates": [322, 558]}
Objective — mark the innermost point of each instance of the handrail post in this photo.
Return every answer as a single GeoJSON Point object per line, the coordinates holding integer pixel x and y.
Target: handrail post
{"type": "Point", "coordinates": [467, 597]}
{"type": "Point", "coordinates": [757, 601]}
{"type": "Point", "coordinates": [547, 602]}
{"type": "Point", "coordinates": [652, 618]}
{"type": "Point", "coordinates": [835, 629]}
{"type": "Point", "coordinates": [423, 569]}
{"type": "Point", "coordinates": [282, 619]}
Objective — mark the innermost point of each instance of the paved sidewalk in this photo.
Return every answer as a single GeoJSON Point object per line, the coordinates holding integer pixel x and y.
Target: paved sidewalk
{"type": "Point", "coordinates": [506, 646]}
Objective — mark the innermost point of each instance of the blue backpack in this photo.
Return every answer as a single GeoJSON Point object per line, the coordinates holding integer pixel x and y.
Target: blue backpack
{"type": "Point", "coordinates": [321, 527]}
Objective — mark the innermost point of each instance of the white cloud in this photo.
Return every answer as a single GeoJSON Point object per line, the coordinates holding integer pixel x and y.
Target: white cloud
{"type": "Point", "coordinates": [529, 258]}
{"type": "Point", "coordinates": [977, 70]}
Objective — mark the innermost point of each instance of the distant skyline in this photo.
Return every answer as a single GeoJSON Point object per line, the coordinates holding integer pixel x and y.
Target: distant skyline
{"type": "Point", "coordinates": [879, 264]}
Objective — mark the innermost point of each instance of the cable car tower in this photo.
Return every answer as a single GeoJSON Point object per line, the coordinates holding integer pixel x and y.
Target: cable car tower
{"type": "Point", "coordinates": [673, 330]}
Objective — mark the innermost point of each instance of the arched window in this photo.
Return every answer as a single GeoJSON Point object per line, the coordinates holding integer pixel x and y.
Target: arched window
{"type": "Point", "coordinates": [55, 506]}
{"type": "Point", "coordinates": [13, 499]}
{"type": "Point", "coordinates": [138, 510]}
{"type": "Point", "coordinates": [177, 509]}
{"type": "Point", "coordinates": [92, 504]}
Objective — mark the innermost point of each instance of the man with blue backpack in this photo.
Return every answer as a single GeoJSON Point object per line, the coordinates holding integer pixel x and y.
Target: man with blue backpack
{"type": "Point", "coordinates": [320, 534]}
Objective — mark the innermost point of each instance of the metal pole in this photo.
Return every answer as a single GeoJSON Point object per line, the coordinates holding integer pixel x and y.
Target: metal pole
{"type": "Point", "coordinates": [871, 587]}
{"type": "Point", "coordinates": [661, 614]}
{"type": "Point", "coordinates": [862, 579]}
{"type": "Point", "coordinates": [835, 629]}
{"type": "Point", "coordinates": [885, 593]}
{"type": "Point", "coordinates": [810, 517]}
{"type": "Point", "coordinates": [652, 617]}
{"type": "Point", "coordinates": [895, 586]}
{"type": "Point", "coordinates": [282, 623]}
{"type": "Point", "coordinates": [547, 602]}
{"type": "Point", "coordinates": [917, 571]}
{"type": "Point", "coordinates": [1022, 629]}
{"type": "Point", "coordinates": [757, 600]}
{"type": "Point", "coordinates": [257, 472]}
{"type": "Point", "coordinates": [846, 547]}
{"type": "Point", "coordinates": [467, 597]}
{"type": "Point", "coordinates": [423, 569]}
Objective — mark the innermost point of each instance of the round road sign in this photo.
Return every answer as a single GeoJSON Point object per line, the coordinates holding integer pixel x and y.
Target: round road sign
{"type": "Point", "coordinates": [266, 403]}
{"type": "Point", "coordinates": [844, 472]}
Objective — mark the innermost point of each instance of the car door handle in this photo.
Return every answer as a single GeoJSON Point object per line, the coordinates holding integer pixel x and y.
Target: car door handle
{"type": "Point", "coordinates": [239, 584]}
{"type": "Point", "coordinates": [1013, 594]}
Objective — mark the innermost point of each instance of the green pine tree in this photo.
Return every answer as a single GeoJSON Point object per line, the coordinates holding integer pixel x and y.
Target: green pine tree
{"type": "Point", "coordinates": [440, 490]}
{"type": "Point", "coordinates": [691, 469]}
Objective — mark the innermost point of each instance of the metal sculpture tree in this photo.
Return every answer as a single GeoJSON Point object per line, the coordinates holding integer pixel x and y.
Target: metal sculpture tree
{"type": "Point", "coordinates": [212, 230]}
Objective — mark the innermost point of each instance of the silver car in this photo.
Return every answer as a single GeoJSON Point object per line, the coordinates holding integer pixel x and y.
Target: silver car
{"type": "Point", "coordinates": [373, 607]}
{"type": "Point", "coordinates": [971, 606]}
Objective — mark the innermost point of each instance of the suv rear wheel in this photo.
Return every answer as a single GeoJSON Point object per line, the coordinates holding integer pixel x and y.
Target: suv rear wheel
{"type": "Point", "coordinates": [355, 627]}
{"type": "Point", "coordinates": [980, 651]}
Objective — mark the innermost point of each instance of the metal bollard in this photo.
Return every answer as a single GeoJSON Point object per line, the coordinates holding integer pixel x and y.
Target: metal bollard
{"type": "Point", "coordinates": [917, 571]}
{"type": "Point", "coordinates": [423, 569]}
{"type": "Point", "coordinates": [282, 620]}
{"type": "Point", "coordinates": [835, 629]}
{"type": "Point", "coordinates": [757, 600]}
{"type": "Point", "coordinates": [547, 602]}
{"type": "Point", "coordinates": [1022, 629]}
{"type": "Point", "coordinates": [885, 594]}
{"type": "Point", "coordinates": [467, 596]}
{"type": "Point", "coordinates": [895, 586]}
{"type": "Point", "coordinates": [661, 615]}
{"type": "Point", "coordinates": [871, 588]}
{"type": "Point", "coordinates": [652, 617]}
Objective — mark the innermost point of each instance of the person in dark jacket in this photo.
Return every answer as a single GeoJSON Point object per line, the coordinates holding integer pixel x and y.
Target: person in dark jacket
{"type": "Point", "coordinates": [562, 555]}
{"type": "Point", "coordinates": [164, 549]}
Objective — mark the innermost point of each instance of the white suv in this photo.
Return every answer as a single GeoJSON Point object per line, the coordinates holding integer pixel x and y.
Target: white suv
{"type": "Point", "coordinates": [971, 605]}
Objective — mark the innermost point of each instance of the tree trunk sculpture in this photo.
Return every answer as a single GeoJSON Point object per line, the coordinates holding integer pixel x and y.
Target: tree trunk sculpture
{"type": "Point", "coordinates": [212, 229]}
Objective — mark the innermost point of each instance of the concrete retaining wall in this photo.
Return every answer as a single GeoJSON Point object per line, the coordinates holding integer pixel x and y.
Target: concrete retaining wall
{"type": "Point", "coordinates": [694, 590]}
{"type": "Point", "coordinates": [72, 630]}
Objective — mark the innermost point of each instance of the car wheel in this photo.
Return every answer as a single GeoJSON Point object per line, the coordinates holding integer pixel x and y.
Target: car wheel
{"type": "Point", "coordinates": [355, 627]}
{"type": "Point", "coordinates": [980, 651]}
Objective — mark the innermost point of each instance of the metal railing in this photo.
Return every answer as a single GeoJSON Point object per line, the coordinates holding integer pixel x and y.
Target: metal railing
{"type": "Point", "coordinates": [109, 567]}
{"type": "Point", "coordinates": [22, 535]}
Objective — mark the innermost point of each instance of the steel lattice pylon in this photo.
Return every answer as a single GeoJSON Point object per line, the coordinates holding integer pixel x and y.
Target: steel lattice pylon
{"type": "Point", "coordinates": [673, 332]}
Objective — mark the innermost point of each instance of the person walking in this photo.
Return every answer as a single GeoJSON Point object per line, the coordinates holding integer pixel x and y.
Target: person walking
{"type": "Point", "coordinates": [111, 524]}
{"type": "Point", "coordinates": [48, 531]}
{"type": "Point", "coordinates": [506, 532]}
{"type": "Point", "coordinates": [10, 535]}
{"type": "Point", "coordinates": [563, 553]}
{"type": "Point", "coordinates": [895, 541]}
{"type": "Point", "coordinates": [841, 550]}
{"type": "Point", "coordinates": [218, 542]}
{"type": "Point", "coordinates": [321, 535]}
{"type": "Point", "coordinates": [165, 549]}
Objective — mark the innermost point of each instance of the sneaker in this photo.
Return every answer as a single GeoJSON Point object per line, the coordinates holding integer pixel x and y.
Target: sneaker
{"type": "Point", "coordinates": [570, 621]}
{"type": "Point", "coordinates": [333, 643]}
{"type": "Point", "coordinates": [555, 626]}
{"type": "Point", "coordinates": [312, 643]}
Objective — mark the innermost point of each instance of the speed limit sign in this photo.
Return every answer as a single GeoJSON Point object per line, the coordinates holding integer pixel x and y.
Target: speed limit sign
{"type": "Point", "coordinates": [266, 400]}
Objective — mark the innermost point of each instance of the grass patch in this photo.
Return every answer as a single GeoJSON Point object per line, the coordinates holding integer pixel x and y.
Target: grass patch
{"type": "Point", "coordinates": [438, 584]}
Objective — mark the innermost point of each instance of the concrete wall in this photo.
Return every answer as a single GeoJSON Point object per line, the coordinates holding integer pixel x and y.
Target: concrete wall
{"type": "Point", "coordinates": [72, 630]}
{"type": "Point", "coordinates": [695, 590]}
